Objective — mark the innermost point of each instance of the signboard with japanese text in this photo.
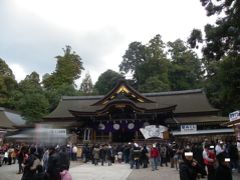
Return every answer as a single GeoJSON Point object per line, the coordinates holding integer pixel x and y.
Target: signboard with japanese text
{"type": "Point", "coordinates": [189, 128]}
{"type": "Point", "coordinates": [234, 116]}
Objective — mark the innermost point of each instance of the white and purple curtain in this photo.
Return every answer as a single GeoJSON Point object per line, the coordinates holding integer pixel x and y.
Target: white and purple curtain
{"type": "Point", "coordinates": [118, 125]}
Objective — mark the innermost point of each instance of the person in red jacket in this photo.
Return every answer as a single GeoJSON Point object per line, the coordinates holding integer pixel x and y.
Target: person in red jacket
{"type": "Point", "coordinates": [209, 158]}
{"type": "Point", "coordinates": [154, 154]}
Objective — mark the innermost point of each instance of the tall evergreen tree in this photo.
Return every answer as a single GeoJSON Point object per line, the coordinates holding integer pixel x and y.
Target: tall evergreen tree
{"type": "Point", "coordinates": [186, 70]}
{"type": "Point", "coordinates": [61, 82]}
{"type": "Point", "coordinates": [222, 38]}
{"type": "Point", "coordinates": [86, 87]}
{"type": "Point", "coordinates": [107, 81]}
{"type": "Point", "coordinates": [221, 50]}
{"type": "Point", "coordinates": [8, 84]}
{"type": "Point", "coordinates": [68, 69]}
{"type": "Point", "coordinates": [155, 68]}
{"type": "Point", "coordinates": [31, 99]}
{"type": "Point", "coordinates": [223, 88]}
{"type": "Point", "coordinates": [134, 56]}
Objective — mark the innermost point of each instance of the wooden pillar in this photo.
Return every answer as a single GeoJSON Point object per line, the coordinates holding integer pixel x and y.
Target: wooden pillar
{"type": "Point", "coordinates": [110, 136]}
{"type": "Point", "coordinates": [136, 135]}
{"type": "Point", "coordinates": [94, 135]}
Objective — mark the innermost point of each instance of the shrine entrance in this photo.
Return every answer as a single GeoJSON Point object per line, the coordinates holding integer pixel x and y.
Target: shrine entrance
{"type": "Point", "coordinates": [122, 136]}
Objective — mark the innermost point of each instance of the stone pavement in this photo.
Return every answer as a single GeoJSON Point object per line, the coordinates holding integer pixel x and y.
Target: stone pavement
{"type": "Point", "coordinates": [123, 172]}
{"type": "Point", "coordinates": [81, 171]}
{"type": "Point", "coordinates": [164, 173]}
{"type": "Point", "coordinates": [92, 172]}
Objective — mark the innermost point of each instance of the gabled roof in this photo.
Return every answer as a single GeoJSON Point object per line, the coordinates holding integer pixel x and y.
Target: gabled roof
{"type": "Point", "coordinates": [137, 107]}
{"type": "Point", "coordinates": [188, 101]}
{"type": "Point", "coordinates": [9, 119]}
{"type": "Point", "coordinates": [123, 91]}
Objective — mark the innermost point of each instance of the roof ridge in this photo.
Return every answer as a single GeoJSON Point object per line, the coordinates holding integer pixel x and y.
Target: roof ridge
{"type": "Point", "coordinates": [81, 97]}
{"type": "Point", "coordinates": [191, 91]}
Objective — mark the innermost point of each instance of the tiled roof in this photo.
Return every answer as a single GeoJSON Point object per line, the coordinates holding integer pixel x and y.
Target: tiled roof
{"type": "Point", "coordinates": [201, 119]}
{"type": "Point", "coordinates": [188, 101]}
{"type": "Point", "coordinates": [9, 118]}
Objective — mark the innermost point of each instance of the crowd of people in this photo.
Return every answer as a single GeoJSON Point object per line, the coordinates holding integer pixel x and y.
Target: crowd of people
{"type": "Point", "coordinates": [214, 160]}
{"type": "Point", "coordinates": [36, 162]}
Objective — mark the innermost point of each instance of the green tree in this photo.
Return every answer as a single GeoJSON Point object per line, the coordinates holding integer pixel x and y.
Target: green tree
{"type": "Point", "coordinates": [61, 82]}
{"type": "Point", "coordinates": [31, 83]}
{"type": "Point", "coordinates": [86, 87]}
{"type": "Point", "coordinates": [223, 88]}
{"type": "Point", "coordinates": [31, 99]}
{"type": "Point", "coordinates": [186, 68]}
{"type": "Point", "coordinates": [33, 106]}
{"type": "Point", "coordinates": [55, 95]}
{"type": "Point", "coordinates": [221, 53]}
{"type": "Point", "coordinates": [68, 69]}
{"type": "Point", "coordinates": [134, 55]}
{"type": "Point", "coordinates": [5, 71]}
{"type": "Point", "coordinates": [8, 84]}
{"type": "Point", "coordinates": [147, 62]}
{"type": "Point", "coordinates": [223, 38]}
{"type": "Point", "coordinates": [155, 66]}
{"type": "Point", "coordinates": [107, 81]}
{"type": "Point", "coordinates": [153, 84]}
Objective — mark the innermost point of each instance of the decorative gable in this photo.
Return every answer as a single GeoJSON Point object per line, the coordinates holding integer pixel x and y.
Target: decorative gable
{"type": "Point", "coordinates": [122, 91]}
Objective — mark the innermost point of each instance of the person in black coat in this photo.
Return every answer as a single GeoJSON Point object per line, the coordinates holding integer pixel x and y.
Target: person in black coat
{"type": "Point", "coordinates": [64, 160]}
{"type": "Point", "coordinates": [189, 168]}
{"type": "Point", "coordinates": [198, 156]}
{"type": "Point", "coordinates": [233, 155]}
{"type": "Point", "coordinates": [20, 158]}
{"type": "Point", "coordinates": [28, 171]}
{"type": "Point", "coordinates": [144, 156]}
{"type": "Point", "coordinates": [102, 154]}
{"type": "Point", "coordinates": [223, 171]}
{"type": "Point", "coordinates": [53, 167]}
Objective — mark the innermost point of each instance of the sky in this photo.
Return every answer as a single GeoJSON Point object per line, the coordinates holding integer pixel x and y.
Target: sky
{"type": "Point", "coordinates": [34, 32]}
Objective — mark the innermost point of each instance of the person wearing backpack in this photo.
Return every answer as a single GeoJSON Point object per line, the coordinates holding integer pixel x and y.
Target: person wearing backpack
{"type": "Point", "coordinates": [30, 165]}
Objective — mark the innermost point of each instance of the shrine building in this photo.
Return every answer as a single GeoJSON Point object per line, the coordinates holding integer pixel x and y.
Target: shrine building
{"type": "Point", "coordinates": [118, 115]}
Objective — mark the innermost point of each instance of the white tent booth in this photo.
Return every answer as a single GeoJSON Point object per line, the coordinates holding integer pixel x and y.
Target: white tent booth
{"type": "Point", "coordinates": [41, 135]}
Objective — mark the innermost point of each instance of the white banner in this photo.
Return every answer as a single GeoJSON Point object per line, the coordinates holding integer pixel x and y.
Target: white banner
{"type": "Point", "coordinates": [153, 131]}
{"type": "Point", "coordinates": [189, 128]}
{"type": "Point", "coordinates": [57, 132]}
{"type": "Point", "coordinates": [234, 116]}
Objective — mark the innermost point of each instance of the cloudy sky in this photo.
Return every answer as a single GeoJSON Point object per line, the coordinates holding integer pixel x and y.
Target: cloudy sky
{"type": "Point", "coordinates": [33, 32]}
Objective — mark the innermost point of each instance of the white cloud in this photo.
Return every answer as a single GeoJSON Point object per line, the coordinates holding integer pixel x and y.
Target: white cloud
{"type": "Point", "coordinates": [34, 31]}
{"type": "Point", "coordinates": [18, 71]}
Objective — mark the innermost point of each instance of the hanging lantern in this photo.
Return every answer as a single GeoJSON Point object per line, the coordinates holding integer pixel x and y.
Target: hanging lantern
{"type": "Point", "coordinates": [101, 126]}
{"type": "Point", "coordinates": [131, 126]}
{"type": "Point", "coordinates": [116, 126]}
